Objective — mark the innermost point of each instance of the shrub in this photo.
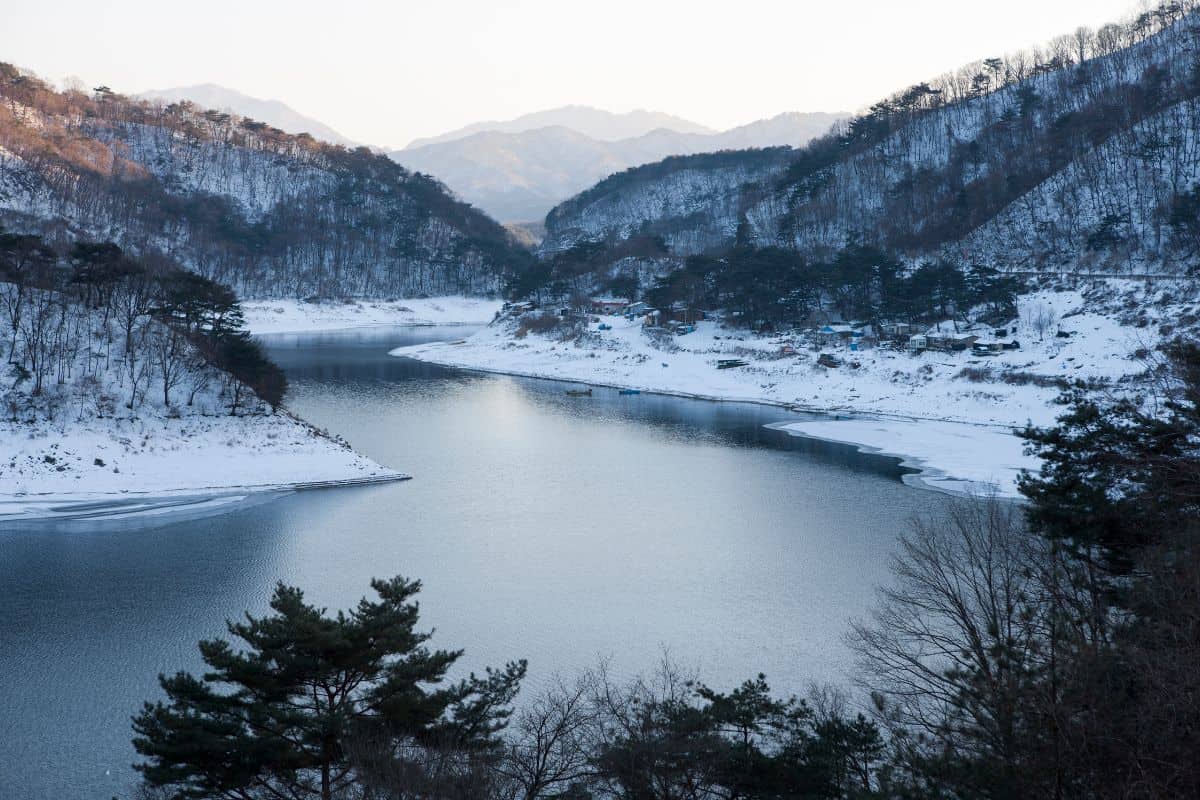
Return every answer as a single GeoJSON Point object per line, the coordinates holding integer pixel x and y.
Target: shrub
{"type": "Point", "coordinates": [975, 374]}
{"type": "Point", "coordinates": [543, 323]}
{"type": "Point", "coordinates": [1030, 379]}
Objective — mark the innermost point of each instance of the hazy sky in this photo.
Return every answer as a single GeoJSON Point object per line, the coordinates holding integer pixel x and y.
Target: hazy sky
{"type": "Point", "coordinates": [386, 72]}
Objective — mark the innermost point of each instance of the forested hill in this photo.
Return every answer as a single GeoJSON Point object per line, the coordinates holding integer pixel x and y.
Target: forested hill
{"type": "Point", "coordinates": [268, 213]}
{"type": "Point", "coordinates": [689, 200]}
{"type": "Point", "coordinates": [1082, 154]}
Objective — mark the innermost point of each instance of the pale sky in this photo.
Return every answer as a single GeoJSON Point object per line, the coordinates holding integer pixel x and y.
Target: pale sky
{"type": "Point", "coordinates": [386, 72]}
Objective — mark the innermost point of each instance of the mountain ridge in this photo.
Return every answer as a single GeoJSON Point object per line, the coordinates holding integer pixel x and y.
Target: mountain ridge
{"type": "Point", "coordinates": [1059, 158]}
{"type": "Point", "coordinates": [519, 176]}
{"type": "Point", "coordinates": [236, 200]}
{"type": "Point", "coordinates": [595, 123]}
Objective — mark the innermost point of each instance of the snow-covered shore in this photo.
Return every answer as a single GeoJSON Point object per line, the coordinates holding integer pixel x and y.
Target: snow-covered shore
{"type": "Point", "coordinates": [151, 464]}
{"type": "Point", "coordinates": [298, 316]}
{"type": "Point", "coordinates": [62, 457]}
{"type": "Point", "coordinates": [955, 415]}
{"type": "Point", "coordinates": [146, 428]}
{"type": "Point", "coordinates": [952, 456]}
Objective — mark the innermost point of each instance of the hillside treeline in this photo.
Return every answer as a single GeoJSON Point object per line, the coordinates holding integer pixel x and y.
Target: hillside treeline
{"type": "Point", "coordinates": [768, 288]}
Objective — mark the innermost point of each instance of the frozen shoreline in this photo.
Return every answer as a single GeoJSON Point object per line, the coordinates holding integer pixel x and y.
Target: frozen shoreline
{"type": "Point", "coordinates": [953, 416]}
{"type": "Point", "coordinates": [112, 468]}
{"type": "Point", "coordinates": [945, 452]}
{"type": "Point", "coordinates": [298, 316]}
{"type": "Point", "coordinates": [109, 468]}
{"type": "Point", "coordinates": [193, 502]}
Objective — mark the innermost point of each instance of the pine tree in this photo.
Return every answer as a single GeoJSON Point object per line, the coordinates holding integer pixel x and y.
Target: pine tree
{"type": "Point", "coordinates": [1119, 476]}
{"type": "Point", "coordinates": [280, 717]}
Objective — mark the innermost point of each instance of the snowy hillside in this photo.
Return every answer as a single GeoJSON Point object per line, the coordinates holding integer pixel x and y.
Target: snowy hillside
{"type": "Point", "coordinates": [269, 213]}
{"type": "Point", "coordinates": [1082, 155]}
{"type": "Point", "coordinates": [694, 202]}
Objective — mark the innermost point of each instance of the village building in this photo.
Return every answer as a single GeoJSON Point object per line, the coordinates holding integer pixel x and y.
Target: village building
{"type": "Point", "coordinates": [987, 347]}
{"type": "Point", "coordinates": [950, 342]}
{"type": "Point", "coordinates": [609, 305]}
{"type": "Point", "coordinates": [841, 333]}
{"type": "Point", "coordinates": [896, 331]}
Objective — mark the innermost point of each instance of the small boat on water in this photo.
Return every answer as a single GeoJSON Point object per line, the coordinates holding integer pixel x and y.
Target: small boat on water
{"type": "Point", "coordinates": [579, 392]}
{"type": "Point", "coordinates": [630, 391]}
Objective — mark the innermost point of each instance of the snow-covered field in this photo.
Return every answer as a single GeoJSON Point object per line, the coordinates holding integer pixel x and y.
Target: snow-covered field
{"type": "Point", "coordinates": [953, 413]}
{"type": "Point", "coordinates": [297, 316]}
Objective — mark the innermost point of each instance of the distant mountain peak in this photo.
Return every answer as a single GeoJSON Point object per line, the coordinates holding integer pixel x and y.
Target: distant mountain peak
{"type": "Point", "coordinates": [273, 112]}
{"type": "Point", "coordinates": [595, 123]}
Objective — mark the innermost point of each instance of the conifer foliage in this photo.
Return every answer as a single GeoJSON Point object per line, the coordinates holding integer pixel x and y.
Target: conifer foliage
{"type": "Point", "coordinates": [1122, 476]}
{"type": "Point", "coordinates": [282, 715]}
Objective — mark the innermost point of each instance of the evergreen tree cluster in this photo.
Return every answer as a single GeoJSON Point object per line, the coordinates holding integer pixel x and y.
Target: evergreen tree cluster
{"type": "Point", "coordinates": [355, 704]}
{"type": "Point", "coordinates": [771, 286]}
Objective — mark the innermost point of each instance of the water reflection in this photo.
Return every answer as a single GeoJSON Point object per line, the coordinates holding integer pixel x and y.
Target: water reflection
{"type": "Point", "coordinates": [543, 526]}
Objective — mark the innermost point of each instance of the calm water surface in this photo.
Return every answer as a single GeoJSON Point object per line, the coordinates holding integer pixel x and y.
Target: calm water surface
{"type": "Point", "coordinates": [547, 527]}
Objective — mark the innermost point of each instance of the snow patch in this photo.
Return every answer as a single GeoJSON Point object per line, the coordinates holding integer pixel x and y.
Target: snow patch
{"type": "Point", "coordinates": [152, 465]}
{"type": "Point", "coordinates": [298, 316]}
{"type": "Point", "coordinates": [953, 456]}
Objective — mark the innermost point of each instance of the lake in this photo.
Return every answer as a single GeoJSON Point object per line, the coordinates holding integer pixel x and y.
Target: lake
{"type": "Point", "coordinates": [554, 528]}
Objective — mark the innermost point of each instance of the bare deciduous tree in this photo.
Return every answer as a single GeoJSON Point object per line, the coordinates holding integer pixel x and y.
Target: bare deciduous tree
{"type": "Point", "coordinates": [956, 641]}
{"type": "Point", "coordinates": [550, 742]}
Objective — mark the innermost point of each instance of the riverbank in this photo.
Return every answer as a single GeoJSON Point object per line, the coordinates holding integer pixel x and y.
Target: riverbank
{"type": "Point", "coordinates": [957, 457]}
{"type": "Point", "coordinates": [64, 458]}
{"type": "Point", "coordinates": [299, 316]}
{"type": "Point", "coordinates": [156, 464]}
{"type": "Point", "coordinates": [952, 414]}
{"type": "Point", "coordinates": [952, 457]}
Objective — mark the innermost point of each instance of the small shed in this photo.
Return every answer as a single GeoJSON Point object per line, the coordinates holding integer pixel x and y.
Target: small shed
{"type": "Point", "coordinates": [839, 332]}
{"type": "Point", "coordinates": [987, 347]}
{"type": "Point", "coordinates": [951, 342]}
